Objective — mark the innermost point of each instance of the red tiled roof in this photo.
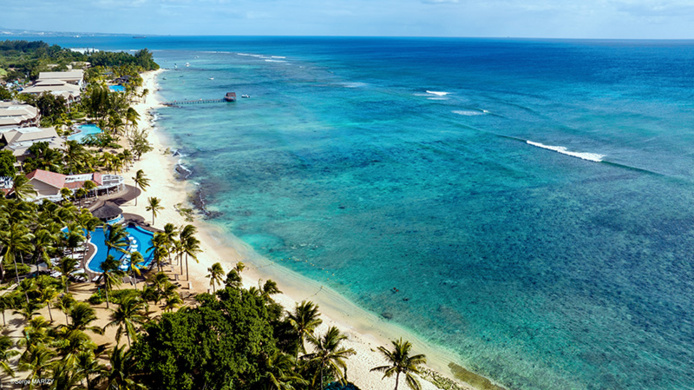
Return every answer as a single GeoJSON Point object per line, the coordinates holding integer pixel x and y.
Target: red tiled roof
{"type": "Point", "coordinates": [53, 179]}
{"type": "Point", "coordinates": [96, 178]}
{"type": "Point", "coordinates": [74, 185]}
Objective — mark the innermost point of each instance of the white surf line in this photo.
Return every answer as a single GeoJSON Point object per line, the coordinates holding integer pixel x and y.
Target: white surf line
{"type": "Point", "coordinates": [563, 150]}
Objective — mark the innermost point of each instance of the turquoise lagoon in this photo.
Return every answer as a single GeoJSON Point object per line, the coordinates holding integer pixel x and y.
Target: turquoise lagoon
{"type": "Point", "coordinates": [532, 200]}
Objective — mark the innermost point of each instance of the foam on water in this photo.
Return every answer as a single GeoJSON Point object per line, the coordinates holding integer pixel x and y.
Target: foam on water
{"type": "Point", "coordinates": [438, 93]}
{"type": "Point", "coordinates": [561, 149]}
{"type": "Point", "coordinates": [469, 112]}
{"type": "Point", "coordinates": [353, 84]}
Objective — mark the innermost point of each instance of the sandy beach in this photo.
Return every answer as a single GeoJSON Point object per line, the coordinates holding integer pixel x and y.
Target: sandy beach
{"type": "Point", "coordinates": [366, 331]}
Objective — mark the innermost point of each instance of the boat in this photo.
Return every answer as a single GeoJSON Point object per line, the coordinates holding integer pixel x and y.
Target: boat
{"type": "Point", "coordinates": [230, 96]}
{"type": "Point", "coordinates": [245, 96]}
{"type": "Point", "coordinates": [187, 64]}
{"type": "Point", "coordinates": [211, 78]}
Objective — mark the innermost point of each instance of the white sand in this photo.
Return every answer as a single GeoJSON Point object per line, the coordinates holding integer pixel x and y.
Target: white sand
{"type": "Point", "coordinates": [366, 331]}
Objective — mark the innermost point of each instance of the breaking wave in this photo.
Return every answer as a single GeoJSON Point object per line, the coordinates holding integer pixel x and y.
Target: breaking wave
{"type": "Point", "coordinates": [563, 150]}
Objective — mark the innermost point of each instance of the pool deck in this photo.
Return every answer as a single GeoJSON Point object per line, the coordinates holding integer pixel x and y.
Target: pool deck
{"type": "Point", "coordinates": [120, 197]}
{"type": "Point", "coordinates": [91, 248]}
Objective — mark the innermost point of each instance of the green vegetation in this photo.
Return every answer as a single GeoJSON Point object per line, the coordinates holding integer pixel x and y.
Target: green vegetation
{"type": "Point", "coordinates": [7, 161]}
{"type": "Point", "coordinates": [21, 58]}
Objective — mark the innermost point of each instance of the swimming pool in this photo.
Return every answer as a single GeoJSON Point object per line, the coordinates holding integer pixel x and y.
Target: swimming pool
{"type": "Point", "coordinates": [116, 88]}
{"type": "Point", "coordinates": [140, 241]}
{"type": "Point", "coordinates": [85, 130]}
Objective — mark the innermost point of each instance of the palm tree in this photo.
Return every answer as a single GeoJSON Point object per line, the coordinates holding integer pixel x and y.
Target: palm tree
{"type": "Point", "coordinates": [66, 193]}
{"type": "Point", "coordinates": [160, 283]}
{"type": "Point", "coordinates": [65, 303]}
{"type": "Point", "coordinates": [132, 116]}
{"type": "Point", "coordinates": [279, 373]}
{"type": "Point", "coordinates": [6, 353]}
{"type": "Point", "coordinates": [116, 238]}
{"type": "Point", "coordinates": [44, 242]}
{"type": "Point", "coordinates": [154, 205]}
{"type": "Point", "coordinates": [82, 314]}
{"type": "Point", "coordinates": [135, 265]}
{"type": "Point", "coordinates": [70, 343]}
{"type": "Point", "coordinates": [305, 319]}
{"type": "Point", "coordinates": [170, 232]}
{"type": "Point", "coordinates": [158, 248]}
{"type": "Point", "coordinates": [17, 239]}
{"type": "Point", "coordinates": [37, 331]}
{"type": "Point", "coordinates": [87, 364]}
{"type": "Point", "coordinates": [64, 376]}
{"type": "Point", "coordinates": [141, 181]}
{"type": "Point", "coordinates": [216, 273]}
{"type": "Point", "coordinates": [171, 297]}
{"type": "Point", "coordinates": [28, 311]}
{"type": "Point", "coordinates": [6, 302]}
{"type": "Point", "coordinates": [329, 356]}
{"type": "Point", "coordinates": [67, 266]}
{"type": "Point", "coordinates": [36, 361]}
{"type": "Point", "coordinates": [112, 275]}
{"type": "Point", "coordinates": [21, 188]}
{"type": "Point", "coordinates": [74, 238]}
{"type": "Point", "coordinates": [190, 244]}
{"type": "Point", "coordinates": [400, 362]}
{"type": "Point", "coordinates": [80, 194]}
{"type": "Point", "coordinates": [47, 294]}
{"type": "Point", "coordinates": [130, 312]}
{"type": "Point", "coordinates": [89, 186]}
{"type": "Point", "coordinates": [122, 367]}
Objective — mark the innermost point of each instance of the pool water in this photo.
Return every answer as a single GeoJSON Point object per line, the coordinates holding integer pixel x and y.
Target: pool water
{"type": "Point", "coordinates": [116, 88]}
{"type": "Point", "coordinates": [85, 130]}
{"type": "Point", "coordinates": [141, 242]}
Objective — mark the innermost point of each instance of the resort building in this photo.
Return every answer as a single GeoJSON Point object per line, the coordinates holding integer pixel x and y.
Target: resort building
{"type": "Point", "coordinates": [48, 184]}
{"type": "Point", "coordinates": [74, 77]}
{"type": "Point", "coordinates": [14, 115]}
{"type": "Point", "coordinates": [71, 93]}
{"type": "Point", "coordinates": [66, 84]}
{"type": "Point", "coordinates": [19, 140]}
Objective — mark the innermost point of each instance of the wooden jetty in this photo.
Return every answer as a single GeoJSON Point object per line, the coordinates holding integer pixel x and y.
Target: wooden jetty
{"type": "Point", "coordinates": [200, 101]}
{"type": "Point", "coordinates": [229, 97]}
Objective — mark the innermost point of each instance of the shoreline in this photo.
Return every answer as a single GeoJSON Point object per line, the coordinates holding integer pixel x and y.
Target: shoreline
{"type": "Point", "coordinates": [365, 330]}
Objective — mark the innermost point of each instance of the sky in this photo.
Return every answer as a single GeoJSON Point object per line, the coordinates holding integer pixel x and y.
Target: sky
{"type": "Point", "coordinates": [621, 19]}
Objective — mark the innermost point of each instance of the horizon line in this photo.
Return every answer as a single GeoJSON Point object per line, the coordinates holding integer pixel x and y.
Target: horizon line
{"type": "Point", "coordinates": [10, 32]}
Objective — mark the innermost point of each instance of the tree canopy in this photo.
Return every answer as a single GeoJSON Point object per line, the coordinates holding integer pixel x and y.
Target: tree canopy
{"type": "Point", "coordinates": [218, 345]}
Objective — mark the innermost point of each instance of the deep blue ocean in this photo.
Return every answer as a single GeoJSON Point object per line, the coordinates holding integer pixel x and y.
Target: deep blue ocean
{"type": "Point", "coordinates": [532, 201]}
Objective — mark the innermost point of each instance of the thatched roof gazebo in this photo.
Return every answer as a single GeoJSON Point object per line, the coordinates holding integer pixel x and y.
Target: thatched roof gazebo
{"type": "Point", "coordinates": [108, 212]}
